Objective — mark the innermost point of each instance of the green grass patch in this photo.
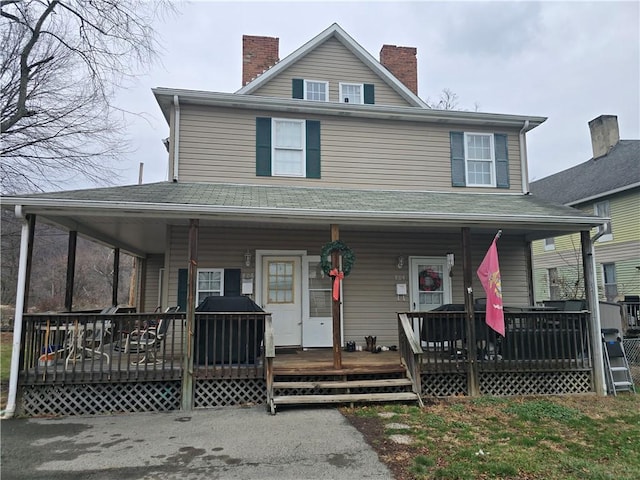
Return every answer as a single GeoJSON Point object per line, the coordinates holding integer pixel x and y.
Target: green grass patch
{"type": "Point", "coordinates": [5, 357]}
{"type": "Point", "coordinates": [555, 438]}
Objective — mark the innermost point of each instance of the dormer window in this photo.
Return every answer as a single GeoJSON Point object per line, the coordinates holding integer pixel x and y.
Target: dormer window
{"type": "Point", "coordinates": [351, 93]}
{"type": "Point", "coordinates": [316, 90]}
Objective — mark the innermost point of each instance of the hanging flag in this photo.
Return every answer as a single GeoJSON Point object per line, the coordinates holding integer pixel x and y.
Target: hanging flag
{"type": "Point", "coordinates": [489, 274]}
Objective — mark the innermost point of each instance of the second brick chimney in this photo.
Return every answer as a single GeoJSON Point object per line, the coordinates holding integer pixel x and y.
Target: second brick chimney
{"type": "Point", "coordinates": [258, 55]}
{"type": "Point", "coordinates": [604, 134]}
{"type": "Point", "coordinates": [402, 62]}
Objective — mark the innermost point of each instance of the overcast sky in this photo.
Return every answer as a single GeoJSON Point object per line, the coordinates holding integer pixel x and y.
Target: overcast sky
{"type": "Point", "coordinates": [568, 61]}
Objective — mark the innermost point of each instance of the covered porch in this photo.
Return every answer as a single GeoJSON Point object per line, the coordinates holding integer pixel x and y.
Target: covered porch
{"type": "Point", "coordinates": [173, 239]}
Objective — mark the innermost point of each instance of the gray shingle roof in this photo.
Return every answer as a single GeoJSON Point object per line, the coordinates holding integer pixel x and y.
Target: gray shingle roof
{"type": "Point", "coordinates": [598, 176]}
{"type": "Point", "coordinates": [204, 197]}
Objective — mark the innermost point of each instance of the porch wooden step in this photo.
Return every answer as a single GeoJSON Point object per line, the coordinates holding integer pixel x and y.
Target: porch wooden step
{"type": "Point", "coordinates": [309, 370]}
{"type": "Point", "coordinates": [387, 382]}
{"type": "Point", "coordinates": [345, 398]}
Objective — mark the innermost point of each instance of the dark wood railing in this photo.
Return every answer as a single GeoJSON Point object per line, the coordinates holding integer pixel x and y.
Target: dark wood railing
{"type": "Point", "coordinates": [410, 354]}
{"type": "Point", "coordinates": [94, 347]}
{"type": "Point", "coordinates": [534, 341]}
{"type": "Point", "coordinates": [229, 345]}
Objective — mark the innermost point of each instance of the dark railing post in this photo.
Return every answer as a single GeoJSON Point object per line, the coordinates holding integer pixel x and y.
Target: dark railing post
{"type": "Point", "coordinates": [71, 268]}
{"type": "Point", "coordinates": [116, 276]}
{"type": "Point", "coordinates": [472, 354]}
{"type": "Point", "coordinates": [187, 378]}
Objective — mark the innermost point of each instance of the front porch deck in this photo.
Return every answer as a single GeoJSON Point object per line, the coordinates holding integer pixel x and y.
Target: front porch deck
{"type": "Point", "coordinates": [320, 362]}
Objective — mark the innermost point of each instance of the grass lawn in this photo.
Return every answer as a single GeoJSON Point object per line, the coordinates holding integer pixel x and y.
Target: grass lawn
{"type": "Point", "coordinates": [5, 365]}
{"type": "Point", "coordinates": [554, 438]}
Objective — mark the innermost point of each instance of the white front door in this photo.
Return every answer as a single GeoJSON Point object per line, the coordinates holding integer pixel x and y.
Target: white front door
{"type": "Point", "coordinates": [430, 283]}
{"type": "Point", "coordinates": [282, 297]}
{"type": "Point", "coordinates": [317, 319]}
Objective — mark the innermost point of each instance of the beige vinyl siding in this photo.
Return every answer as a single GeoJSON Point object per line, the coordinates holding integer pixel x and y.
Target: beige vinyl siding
{"type": "Point", "coordinates": [153, 264]}
{"type": "Point", "coordinates": [369, 293]}
{"type": "Point", "coordinates": [218, 145]}
{"type": "Point", "coordinates": [331, 62]}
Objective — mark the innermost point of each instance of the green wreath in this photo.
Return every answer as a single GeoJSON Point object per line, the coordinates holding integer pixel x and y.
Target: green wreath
{"type": "Point", "coordinates": [348, 258]}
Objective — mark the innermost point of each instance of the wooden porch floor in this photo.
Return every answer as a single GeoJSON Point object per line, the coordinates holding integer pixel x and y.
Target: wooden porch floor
{"type": "Point", "coordinates": [320, 362]}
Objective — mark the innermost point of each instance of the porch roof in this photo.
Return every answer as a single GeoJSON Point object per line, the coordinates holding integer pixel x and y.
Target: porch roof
{"type": "Point", "coordinates": [133, 217]}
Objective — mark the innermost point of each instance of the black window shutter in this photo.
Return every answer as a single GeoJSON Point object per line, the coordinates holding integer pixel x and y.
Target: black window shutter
{"type": "Point", "coordinates": [369, 94]}
{"type": "Point", "coordinates": [313, 148]}
{"type": "Point", "coordinates": [502, 160]}
{"type": "Point", "coordinates": [231, 282]}
{"type": "Point", "coordinates": [457, 159]}
{"type": "Point", "coordinates": [183, 285]}
{"type": "Point", "coordinates": [263, 147]}
{"type": "Point", "coordinates": [297, 88]}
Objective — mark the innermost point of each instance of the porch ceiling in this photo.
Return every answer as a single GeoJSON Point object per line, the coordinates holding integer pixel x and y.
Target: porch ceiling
{"type": "Point", "coordinates": [135, 218]}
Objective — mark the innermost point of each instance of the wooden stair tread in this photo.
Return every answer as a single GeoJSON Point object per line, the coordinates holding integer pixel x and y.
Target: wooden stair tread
{"type": "Point", "coordinates": [389, 382]}
{"type": "Point", "coordinates": [344, 398]}
{"type": "Point", "coordinates": [308, 371]}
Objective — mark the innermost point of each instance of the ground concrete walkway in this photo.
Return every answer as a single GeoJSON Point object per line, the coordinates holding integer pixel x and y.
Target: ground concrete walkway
{"type": "Point", "coordinates": [223, 443]}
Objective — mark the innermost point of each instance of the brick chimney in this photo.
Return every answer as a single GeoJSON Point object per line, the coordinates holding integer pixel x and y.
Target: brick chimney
{"type": "Point", "coordinates": [258, 55]}
{"type": "Point", "coordinates": [604, 134]}
{"type": "Point", "coordinates": [402, 62]}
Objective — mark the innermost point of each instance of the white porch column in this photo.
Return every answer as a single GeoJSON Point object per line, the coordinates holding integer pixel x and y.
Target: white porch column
{"type": "Point", "coordinates": [17, 322]}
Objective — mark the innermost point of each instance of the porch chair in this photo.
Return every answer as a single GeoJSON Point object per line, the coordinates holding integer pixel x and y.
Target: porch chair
{"type": "Point", "coordinates": [88, 341]}
{"type": "Point", "coordinates": [148, 340]}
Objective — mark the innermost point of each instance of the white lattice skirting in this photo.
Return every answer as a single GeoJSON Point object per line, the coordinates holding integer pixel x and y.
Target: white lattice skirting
{"type": "Point", "coordinates": [534, 383]}
{"type": "Point", "coordinates": [223, 392]}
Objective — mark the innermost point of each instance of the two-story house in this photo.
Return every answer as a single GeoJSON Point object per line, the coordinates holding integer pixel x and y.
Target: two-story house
{"type": "Point", "coordinates": [607, 185]}
{"type": "Point", "coordinates": [327, 144]}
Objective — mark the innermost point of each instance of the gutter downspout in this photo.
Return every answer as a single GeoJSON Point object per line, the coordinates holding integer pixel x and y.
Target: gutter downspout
{"type": "Point", "coordinates": [176, 137]}
{"type": "Point", "coordinates": [524, 166]}
{"type": "Point", "coordinates": [10, 411]}
{"type": "Point", "coordinates": [594, 306]}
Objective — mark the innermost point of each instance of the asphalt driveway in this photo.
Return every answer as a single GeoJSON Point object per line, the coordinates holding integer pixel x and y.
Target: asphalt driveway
{"type": "Point", "coordinates": [224, 443]}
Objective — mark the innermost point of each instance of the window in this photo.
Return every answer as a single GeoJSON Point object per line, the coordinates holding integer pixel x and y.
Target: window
{"type": "Point", "coordinates": [479, 160]}
{"type": "Point", "coordinates": [609, 280]}
{"type": "Point", "coordinates": [314, 90]}
{"type": "Point", "coordinates": [210, 283]}
{"type": "Point", "coordinates": [281, 282]}
{"type": "Point", "coordinates": [602, 209]}
{"type": "Point", "coordinates": [550, 243]}
{"type": "Point", "coordinates": [554, 284]}
{"type": "Point", "coordinates": [351, 93]}
{"type": "Point", "coordinates": [288, 148]}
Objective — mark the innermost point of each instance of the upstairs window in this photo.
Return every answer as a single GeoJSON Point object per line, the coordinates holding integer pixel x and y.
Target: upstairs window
{"type": "Point", "coordinates": [314, 90]}
{"type": "Point", "coordinates": [603, 209]}
{"type": "Point", "coordinates": [550, 243]}
{"type": "Point", "coordinates": [351, 93]}
{"type": "Point", "coordinates": [609, 281]}
{"type": "Point", "coordinates": [479, 160]}
{"type": "Point", "coordinates": [287, 147]}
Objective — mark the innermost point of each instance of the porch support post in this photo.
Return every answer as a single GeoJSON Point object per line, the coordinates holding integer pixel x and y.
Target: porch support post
{"type": "Point", "coordinates": [71, 270]}
{"type": "Point", "coordinates": [591, 293]}
{"type": "Point", "coordinates": [187, 377]}
{"type": "Point", "coordinates": [116, 276]}
{"type": "Point", "coordinates": [335, 304]}
{"type": "Point", "coordinates": [140, 269]}
{"type": "Point", "coordinates": [530, 281]}
{"type": "Point", "coordinates": [472, 376]}
{"type": "Point", "coordinates": [24, 265]}
{"type": "Point", "coordinates": [32, 230]}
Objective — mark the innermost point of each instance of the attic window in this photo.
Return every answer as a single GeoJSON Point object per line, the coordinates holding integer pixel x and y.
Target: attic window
{"type": "Point", "coordinates": [315, 90]}
{"type": "Point", "coordinates": [351, 93]}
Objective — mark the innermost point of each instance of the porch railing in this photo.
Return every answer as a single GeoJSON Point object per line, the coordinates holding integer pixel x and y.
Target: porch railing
{"type": "Point", "coordinates": [534, 341]}
{"type": "Point", "coordinates": [93, 347]}
{"type": "Point", "coordinates": [410, 354]}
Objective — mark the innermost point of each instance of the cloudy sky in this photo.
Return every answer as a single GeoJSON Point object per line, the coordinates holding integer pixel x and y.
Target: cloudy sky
{"type": "Point", "coordinates": [568, 61]}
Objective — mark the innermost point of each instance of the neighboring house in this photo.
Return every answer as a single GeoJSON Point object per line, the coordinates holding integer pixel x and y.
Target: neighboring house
{"type": "Point", "coordinates": [326, 143]}
{"type": "Point", "coordinates": [607, 185]}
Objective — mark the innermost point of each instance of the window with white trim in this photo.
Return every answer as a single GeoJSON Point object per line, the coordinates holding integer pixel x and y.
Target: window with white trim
{"type": "Point", "coordinates": [603, 209]}
{"type": "Point", "coordinates": [609, 281]}
{"type": "Point", "coordinates": [315, 90]}
{"type": "Point", "coordinates": [210, 283]}
{"type": "Point", "coordinates": [288, 147]}
{"type": "Point", "coordinates": [550, 243]}
{"type": "Point", "coordinates": [352, 93]}
{"type": "Point", "coordinates": [479, 159]}
{"type": "Point", "coordinates": [554, 284]}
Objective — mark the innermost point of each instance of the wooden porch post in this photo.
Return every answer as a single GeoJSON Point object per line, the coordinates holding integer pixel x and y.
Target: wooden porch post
{"type": "Point", "coordinates": [335, 304]}
{"type": "Point", "coordinates": [591, 294]}
{"type": "Point", "coordinates": [472, 376]}
{"type": "Point", "coordinates": [530, 279]}
{"type": "Point", "coordinates": [188, 343]}
{"type": "Point", "coordinates": [71, 269]}
{"type": "Point", "coordinates": [116, 276]}
{"type": "Point", "coordinates": [31, 219]}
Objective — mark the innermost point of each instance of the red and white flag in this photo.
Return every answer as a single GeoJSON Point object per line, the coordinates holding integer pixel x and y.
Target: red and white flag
{"type": "Point", "coordinates": [489, 275]}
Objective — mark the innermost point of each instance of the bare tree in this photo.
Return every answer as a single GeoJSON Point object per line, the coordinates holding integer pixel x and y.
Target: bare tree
{"type": "Point", "coordinates": [61, 62]}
